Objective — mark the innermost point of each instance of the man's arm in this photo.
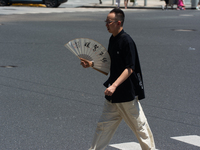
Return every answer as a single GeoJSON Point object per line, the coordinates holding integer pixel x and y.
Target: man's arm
{"type": "Point", "coordinates": [125, 74]}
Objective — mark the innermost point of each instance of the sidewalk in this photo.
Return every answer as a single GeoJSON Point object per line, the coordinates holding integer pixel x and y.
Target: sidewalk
{"type": "Point", "coordinates": [140, 4]}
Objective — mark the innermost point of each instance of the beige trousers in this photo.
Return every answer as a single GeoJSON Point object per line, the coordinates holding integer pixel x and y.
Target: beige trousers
{"type": "Point", "coordinates": [112, 115]}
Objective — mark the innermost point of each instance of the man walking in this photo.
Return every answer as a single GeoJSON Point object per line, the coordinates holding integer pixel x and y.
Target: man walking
{"type": "Point", "coordinates": [124, 88]}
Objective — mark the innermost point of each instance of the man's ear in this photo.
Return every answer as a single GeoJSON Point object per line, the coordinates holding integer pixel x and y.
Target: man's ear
{"type": "Point", "coordinates": [119, 23]}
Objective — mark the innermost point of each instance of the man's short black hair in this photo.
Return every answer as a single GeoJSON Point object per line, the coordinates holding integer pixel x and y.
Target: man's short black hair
{"type": "Point", "coordinates": [119, 15]}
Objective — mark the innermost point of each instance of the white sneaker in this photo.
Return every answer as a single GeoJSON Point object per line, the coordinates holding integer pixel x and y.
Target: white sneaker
{"type": "Point", "coordinates": [197, 8]}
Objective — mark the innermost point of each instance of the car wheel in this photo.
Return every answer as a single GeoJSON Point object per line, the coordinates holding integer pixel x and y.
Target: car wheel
{"type": "Point", "coordinates": [51, 3]}
{"type": "Point", "coordinates": [4, 3]}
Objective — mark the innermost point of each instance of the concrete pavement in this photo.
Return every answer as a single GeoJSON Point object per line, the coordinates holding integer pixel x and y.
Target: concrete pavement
{"type": "Point", "coordinates": [139, 4]}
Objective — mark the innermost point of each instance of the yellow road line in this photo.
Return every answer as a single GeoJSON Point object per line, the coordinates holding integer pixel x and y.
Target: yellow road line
{"type": "Point", "coordinates": [31, 5]}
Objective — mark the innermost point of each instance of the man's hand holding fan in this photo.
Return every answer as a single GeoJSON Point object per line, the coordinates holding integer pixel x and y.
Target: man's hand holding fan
{"type": "Point", "coordinates": [91, 53]}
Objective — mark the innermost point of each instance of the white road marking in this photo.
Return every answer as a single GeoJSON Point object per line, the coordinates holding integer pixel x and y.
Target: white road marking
{"type": "Point", "coordinates": [10, 10]}
{"type": "Point", "coordinates": [36, 10]}
{"type": "Point", "coordinates": [186, 15]}
{"type": "Point", "coordinates": [190, 139]}
{"type": "Point", "coordinates": [127, 146]}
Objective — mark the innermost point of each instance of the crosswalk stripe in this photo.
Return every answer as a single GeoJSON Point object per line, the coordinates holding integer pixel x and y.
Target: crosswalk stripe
{"type": "Point", "coordinates": [127, 146]}
{"type": "Point", "coordinates": [190, 139]}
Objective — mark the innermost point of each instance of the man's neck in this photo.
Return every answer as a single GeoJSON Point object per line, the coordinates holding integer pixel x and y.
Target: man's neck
{"type": "Point", "coordinates": [117, 32]}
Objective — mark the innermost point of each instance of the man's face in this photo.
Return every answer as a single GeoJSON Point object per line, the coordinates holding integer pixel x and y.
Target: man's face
{"type": "Point", "coordinates": [111, 23]}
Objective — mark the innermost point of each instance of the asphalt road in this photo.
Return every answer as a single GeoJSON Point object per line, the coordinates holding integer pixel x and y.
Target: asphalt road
{"type": "Point", "coordinates": [49, 102]}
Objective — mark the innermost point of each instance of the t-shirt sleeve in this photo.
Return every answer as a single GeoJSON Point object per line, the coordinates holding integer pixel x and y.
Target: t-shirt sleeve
{"type": "Point", "coordinates": [129, 54]}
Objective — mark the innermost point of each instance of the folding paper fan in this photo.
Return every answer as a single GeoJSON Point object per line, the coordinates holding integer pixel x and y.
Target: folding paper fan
{"type": "Point", "coordinates": [91, 50]}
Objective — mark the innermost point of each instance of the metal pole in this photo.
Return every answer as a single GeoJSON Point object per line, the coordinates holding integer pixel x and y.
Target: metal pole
{"type": "Point", "coordinates": [193, 4]}
{"type": "Point", "coordinates": [135, 3]}
{"type": "Point", "coordinates": [145, 2]}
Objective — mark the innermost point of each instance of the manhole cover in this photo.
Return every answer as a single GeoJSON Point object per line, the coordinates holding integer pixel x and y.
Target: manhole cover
{"type": "Point", "coordinates": [184, 30]}
{"type": "Point", "coordinates": [9, 66]}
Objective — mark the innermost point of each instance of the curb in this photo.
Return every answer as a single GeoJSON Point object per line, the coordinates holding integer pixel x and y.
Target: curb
{"type": "Point", "coordinates": [132, 7]}
{"type": "Point", "coordinates": [140, 7]}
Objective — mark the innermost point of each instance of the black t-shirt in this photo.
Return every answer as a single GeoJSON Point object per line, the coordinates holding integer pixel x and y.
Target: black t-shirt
{"type": "Point", "coordinates": [123, 54]}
